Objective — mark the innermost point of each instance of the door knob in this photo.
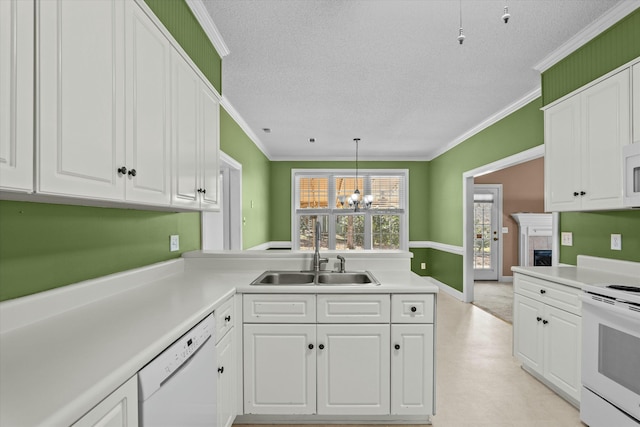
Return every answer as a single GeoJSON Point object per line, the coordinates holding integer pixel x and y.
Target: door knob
{"type": "Point", "coordinates": [495, 239]}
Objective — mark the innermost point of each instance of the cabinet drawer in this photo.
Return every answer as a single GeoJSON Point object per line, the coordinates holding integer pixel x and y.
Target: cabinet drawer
{"type": "Point", "coordinates": [353, 308]}
{"type": "Point", "coordinates": [412, 308]}
{"type": "Point", "coordinates": [555, 294]}
{"type": "Point", "coordinates": [225, 318]}
{"type": "Point", "coordinates": [279, 308]}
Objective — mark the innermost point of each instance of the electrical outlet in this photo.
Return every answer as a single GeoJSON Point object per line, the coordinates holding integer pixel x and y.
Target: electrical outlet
{"type": "Point", "coordinates": [616, 242]}
{"type": "Point", "coordinates": [567, 238]}
{"type": "Point", "coordinates": [423, 265]}
{"type": "Point", "coordinates": [174, 243]}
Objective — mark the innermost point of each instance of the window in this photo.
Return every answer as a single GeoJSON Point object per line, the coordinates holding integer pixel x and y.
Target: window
{"type": "Point", "coordinates": [324, 197]}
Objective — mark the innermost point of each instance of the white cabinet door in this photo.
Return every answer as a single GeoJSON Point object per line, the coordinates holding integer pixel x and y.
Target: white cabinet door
{"type": "Point", "coordinates": [119, 409]}
{"type": "Point", "coordinates": [562, 166]}
{"type": "Point", "coordinates": [635, 82]}
{"type": "Point", "coordinates": [184, 112]}
{"type": "Point", "coordinates": [353, 369]}
{"type": "Point", "coordinates": [148, 89]}
{"type": "Point", "coordinates": [412, 380]}
{"type": "Point", "coordinates": [562, 346]}
{"type": "Point", "coordinates": [226, 386]}
{"type": "Point", "coordinates": [605, 114]}
{"type": "Point", "coordinates": [16, 95]}
{"type": "Point", "coordinates": [210, 143]}
{"type": "Point", "coordinates": [527, 333]}
{"type": "Point", "coordinates": [279, 369]}
{"type": "Point", "coordinates": [81, 134]}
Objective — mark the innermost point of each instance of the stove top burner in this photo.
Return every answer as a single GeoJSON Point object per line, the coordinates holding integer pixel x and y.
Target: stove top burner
{"type": "Point", "coordinates": [624, 288]}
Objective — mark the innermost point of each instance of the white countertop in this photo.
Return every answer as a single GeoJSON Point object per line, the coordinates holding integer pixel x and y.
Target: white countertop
{"type": "Point", "coordinates": [589, 271]}
{"type": "Point", "coordinates": [57, 367]}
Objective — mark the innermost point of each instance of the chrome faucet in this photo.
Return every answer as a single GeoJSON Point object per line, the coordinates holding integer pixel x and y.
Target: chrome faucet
{"type": "Point", "coordinates": [342, 263]}
{"type": "Point", "coordinates": [317, 261]}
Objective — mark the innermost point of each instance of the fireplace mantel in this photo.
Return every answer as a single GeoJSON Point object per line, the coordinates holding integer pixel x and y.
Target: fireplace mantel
{"type": "Point", "coordinates": [536, 230]}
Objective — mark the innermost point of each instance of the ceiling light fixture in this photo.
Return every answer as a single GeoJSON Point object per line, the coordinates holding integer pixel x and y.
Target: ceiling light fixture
{"type": "Point", "coordinates": [355, 201]}
{"type": "Point", "coordinates": [461, 36]}
{"type": "Point", "coordinates": [506, 15]}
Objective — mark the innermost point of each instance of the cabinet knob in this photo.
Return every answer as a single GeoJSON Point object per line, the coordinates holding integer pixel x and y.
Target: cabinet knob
{"type": "Point", "coordinates": [397, 346]}
{"type": "Point", "coordinates": [122, 170]}
{"type": "Point", "coordinates": [413, 309]}
{"type": "Point", "coordinates": [538, 318]}
{"type": "Point", "coordinates": [204, 190]}
{"type": "Point", "coordinates": [221, 369]}
{"type": "Point", "coordinates": [542, 291]}
{"type": "Point", "coordinates": [310, 346]}
{"type": "Point", "coordinates": [321, 346]}
{"type": "Point", "coordinates": [227, 318]}
{"type": "Point", "coordinates": [576, 194]}
{"type": "Point", "coordinates": [132, 172]}
{"type": "Point", "coordinates": [582, 193]}
{"type": "Point", "coordinates": [544, 322]}
{"type": "Point", "coordinates": [199, 190]}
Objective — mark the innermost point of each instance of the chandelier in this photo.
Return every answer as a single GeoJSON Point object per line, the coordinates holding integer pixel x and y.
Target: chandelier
{"type": "Point", "coordinates": [356, 201]}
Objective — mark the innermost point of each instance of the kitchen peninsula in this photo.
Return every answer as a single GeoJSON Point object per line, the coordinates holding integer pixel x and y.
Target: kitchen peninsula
{"type": "Point", "coordinates": [63, 351]}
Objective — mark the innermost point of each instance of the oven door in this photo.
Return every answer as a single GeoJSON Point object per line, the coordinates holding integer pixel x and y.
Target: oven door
{"type": "Point", "coordinates": [611, 353]}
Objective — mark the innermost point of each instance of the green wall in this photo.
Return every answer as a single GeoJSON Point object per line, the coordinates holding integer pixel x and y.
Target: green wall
{"type": "Point", "coordinates": [44, 246]}
{"type": "Point", "coordinates": [280, 224]}
{"type": "Point", "coordinates": [176, 16]}
{"type": "Point", "coordinates": [515, 133]}
{"type": "Point", "coordinates": [255, 180]}
{"type": "Point", "coordinates": [592, 235]}
{"type": "Point", "coordinates": [610, 50]}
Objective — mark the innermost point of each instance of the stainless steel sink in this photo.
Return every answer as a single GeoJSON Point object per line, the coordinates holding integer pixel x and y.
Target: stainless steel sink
{"type": "Point", "coordinates": [285, 278]}
{"type": "Point", "coordinates": [348, 278]}
{"type": "Point", "coordinates": [322, 278]}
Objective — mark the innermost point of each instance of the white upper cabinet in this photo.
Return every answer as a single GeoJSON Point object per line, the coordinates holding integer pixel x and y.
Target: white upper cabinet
{"type": "Point", "coordinates": [148, 147]}
{"type": "Point", "coordinates": [195, 114]}
{"type": "Point", "coordinates": [81, 98]}
{"type": "Point", "coordinates": [636, 102]}
{"type": "Point", "coordinates": [107, 115]}
{"type": "Point", "coordinates": [16, 95]}
{"type": "Point", "coordinates": [584, 135]}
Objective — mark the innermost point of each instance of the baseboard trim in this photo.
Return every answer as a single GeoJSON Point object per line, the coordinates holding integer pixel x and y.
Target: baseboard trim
{"type": "Point", "coordinates": [446, 288]}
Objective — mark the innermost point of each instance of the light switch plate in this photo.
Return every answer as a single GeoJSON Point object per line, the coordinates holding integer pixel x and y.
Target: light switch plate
{"type": "Point", "coordinates": [174, 243]}
{"type": "Point", "coordinates": [616, 242]}
{"type": "Point", "coordinates": [423, 265]}
{"type": "Point", "coordinates": [567, 238]}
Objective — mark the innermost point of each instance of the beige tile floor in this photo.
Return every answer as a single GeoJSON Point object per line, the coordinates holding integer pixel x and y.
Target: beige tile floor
{"type": "Point", "coordinates": [478, 383]}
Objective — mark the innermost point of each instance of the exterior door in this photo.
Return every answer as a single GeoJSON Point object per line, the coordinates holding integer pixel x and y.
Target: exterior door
{"type": "Point", "coordinates": [486, 248]}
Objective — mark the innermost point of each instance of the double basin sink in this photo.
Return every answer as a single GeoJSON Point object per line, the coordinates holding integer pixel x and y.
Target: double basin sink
{"type": "Point", "coordinates": [322, 278]}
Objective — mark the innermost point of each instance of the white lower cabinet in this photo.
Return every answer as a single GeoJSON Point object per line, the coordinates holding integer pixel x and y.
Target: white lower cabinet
{"type": "Point", "coordinates": [412, 369]}
{"type": "Point", "coordinates": [119, 409]}
{"type": "Point", "coordinates": [328, 360]}
{"type": "Point", "coordinates": [547, 333]}
{"type": "Point", "coordinates": [227, 365]}
{"type": "Point", "coordinates": [353, 369]}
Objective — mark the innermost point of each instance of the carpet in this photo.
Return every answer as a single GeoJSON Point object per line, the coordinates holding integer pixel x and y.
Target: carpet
{"type": "Point", "coordinates": [495, 298]}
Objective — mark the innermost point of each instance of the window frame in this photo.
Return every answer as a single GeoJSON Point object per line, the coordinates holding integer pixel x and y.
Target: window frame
{"type": "Point", "coordinates": [332, 212]}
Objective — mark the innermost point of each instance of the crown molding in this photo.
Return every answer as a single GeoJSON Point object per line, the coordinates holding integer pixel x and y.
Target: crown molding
{"type": "Point", "coordinates": [201, 14]}
{"type": "Point", "coordinates": [235, 115]}
{"type": "Point", "coordinates": [588, 33]}
{"type": "Point", "coordinates": [536, 93]}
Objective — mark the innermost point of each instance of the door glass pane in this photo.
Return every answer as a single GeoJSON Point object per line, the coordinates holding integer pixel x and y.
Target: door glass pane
{"type": "Point", "coordinates": [307, 231]}
{"type": "Point", "coordinates": [349, 232]}
{"type": "Point", "coordinates": [314, 193]}
{"type": "Point", "coordinates": [385, 232]}
{"type": "Point", "coordinates": [482, 235]}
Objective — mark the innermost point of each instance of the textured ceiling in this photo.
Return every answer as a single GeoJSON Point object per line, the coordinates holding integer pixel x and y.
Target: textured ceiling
{"type": "Point", "coordinates": [390, 72]}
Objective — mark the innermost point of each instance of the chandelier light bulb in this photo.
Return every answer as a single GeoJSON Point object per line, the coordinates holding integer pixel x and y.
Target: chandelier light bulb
{"type": "Point", "coordinates": [506, 15]}
{"type": "Point", "coordinates": [461, 36]}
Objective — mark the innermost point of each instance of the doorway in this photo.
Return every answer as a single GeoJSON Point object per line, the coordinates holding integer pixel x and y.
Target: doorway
{"type": "Point", "coordinates": [222, 230]}
{"type": "Point", "coordinates": [487, 215]}
{"type": "Point", "coordinates": [468, 205]}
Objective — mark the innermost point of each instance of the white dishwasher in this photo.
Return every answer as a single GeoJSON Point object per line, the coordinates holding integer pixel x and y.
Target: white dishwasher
{"type": "Point", "coordinates": [178, 387]}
